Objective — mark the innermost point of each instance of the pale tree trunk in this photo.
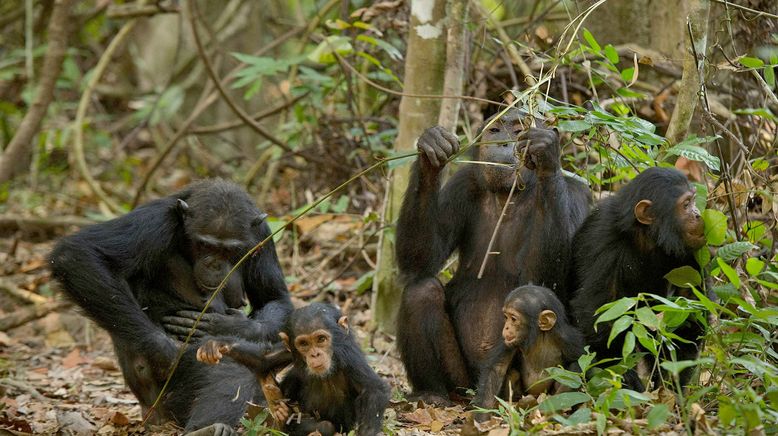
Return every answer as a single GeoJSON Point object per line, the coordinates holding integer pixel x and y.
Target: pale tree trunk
{"type": "Point", "coordinates": [456, 50]}
{"type": "Point", "coordinates": [424, 70]}
{"type": "Point", "coordinates": [21, 144]}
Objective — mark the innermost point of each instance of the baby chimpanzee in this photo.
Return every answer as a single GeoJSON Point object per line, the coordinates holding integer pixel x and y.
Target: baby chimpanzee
{"type": "Point", "coordinates": [536, 336]}
{"type": "Point", "coordinates": [330, 378]}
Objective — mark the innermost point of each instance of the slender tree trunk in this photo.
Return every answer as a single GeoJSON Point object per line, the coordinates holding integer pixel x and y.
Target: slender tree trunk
{"type": "Point", "coordinates": [424, 68]}
{"type": "Point", "coordinates": [21, 144]}
{"type": "Point", "coordinates": [456, 53]}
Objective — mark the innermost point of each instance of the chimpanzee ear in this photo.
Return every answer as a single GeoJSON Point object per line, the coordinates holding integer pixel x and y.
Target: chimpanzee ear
{"type": "Point", "coordinates": [256, 222]}
{"type": "Point", "coordinates": [285, 338]}
{"type": "Point", "coordinates": [643, 212]}
{"type": "Point", "coordinates": [546, 320]}
{"type": "Point", "coordinates": [182, 208]}
{"type": "Point", "coordinates": [343, 323]}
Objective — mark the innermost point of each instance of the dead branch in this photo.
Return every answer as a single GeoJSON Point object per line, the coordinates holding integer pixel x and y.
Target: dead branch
{"type": "Point", "coordinates": [47, 224]}
{"type": "Point", "coordinates": [31, 313]}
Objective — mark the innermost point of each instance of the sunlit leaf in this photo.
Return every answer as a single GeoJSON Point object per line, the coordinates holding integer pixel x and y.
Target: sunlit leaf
{"type": "Point", "coordinates": [750, 62]}
{"type": "Point", "coordinates": [715, 226]}
{"type": "Point", "coordinates": [729, 272]}
{"type": "Point", "coordinates": [619, 326]}
{"type": "Point", "coordinates": [591, 41]}
{"type": "Point", "coordinates": [754, 266]}
{"type": "Point", "coordinates": [563, 401]}
{"type": "Point", "coordinates": [684, 277]}
{"type": "Point", "coordinates": [616, 309]}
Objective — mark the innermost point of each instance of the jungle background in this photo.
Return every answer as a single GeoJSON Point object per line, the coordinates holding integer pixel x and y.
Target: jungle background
{"type": "Point", "coordinates": [314, 106]}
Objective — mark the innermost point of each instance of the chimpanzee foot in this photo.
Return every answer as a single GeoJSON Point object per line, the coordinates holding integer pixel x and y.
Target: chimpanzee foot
{"type": "Point", "coordinates": [217, 429]}
{"type": "Point", "coordinates": [430, 397]}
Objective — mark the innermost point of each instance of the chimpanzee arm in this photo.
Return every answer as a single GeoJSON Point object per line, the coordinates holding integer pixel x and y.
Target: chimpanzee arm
{"type": "Point", "coordinates": [259, 357]}
{"type": "Point", "coordinates": [94, 267]}
{"type": "Point", "coordinates": [372, 398]}
{"type": "Point", "coordinates": [559, 206]}
{"type": "Point", "coordinates": [492, 377]}
{"type": "Point", "coordinates": [431, 221]}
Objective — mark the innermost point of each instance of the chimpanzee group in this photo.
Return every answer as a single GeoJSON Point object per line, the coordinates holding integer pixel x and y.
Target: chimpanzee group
{"type": "Point", "coordinates": [145, 277]}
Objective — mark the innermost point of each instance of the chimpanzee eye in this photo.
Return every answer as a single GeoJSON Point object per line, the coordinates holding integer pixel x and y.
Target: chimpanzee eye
{"type": "Point", "coordinates": [322, 339]}
{"type": "Point", "coordinates": [303, 344]}
{"type": "Point", "coordinates": [494, 130]}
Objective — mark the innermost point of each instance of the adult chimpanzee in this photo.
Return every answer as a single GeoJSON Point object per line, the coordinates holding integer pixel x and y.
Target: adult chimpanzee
{"type": "Point", "coordinates": [536, 335]}
{"type": "Point", "coordinates": [627, 245]}
{"type": "Point", "coordinates": [445, 332]}
{"type": "Point", "coordinates": [330, 378]}
{"type": "Point", "coordinates": [154, 268]}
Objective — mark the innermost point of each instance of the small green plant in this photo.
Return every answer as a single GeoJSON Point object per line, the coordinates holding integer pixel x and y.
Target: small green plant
{"type": "Point", "coordinates": [259, 425]}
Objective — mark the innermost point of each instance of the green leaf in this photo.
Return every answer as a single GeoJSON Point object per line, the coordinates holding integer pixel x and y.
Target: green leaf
{"type": "Point", "coordinates": [585, 361]}
{"type": "Point", "coordinates": [658, 416]}
{"type": "Point", "coordinates": [759, 112]}
{"type": "Point", "coordinates": [648, 318]}
{"type": "Point", "coordinates": [619, 326]}
{"type": "Point", "coordinates": [732, 251]}
{"type": "Point", "coordinates": [617, 308]}
{"type": "Point", "coordinates": [749, 62]}
{"type": "Point", "coordinates": [702, 256]}
{"type": "Point", "coordinates": [644, 338]}
{"type": "Point", "coordinates": [769, 76]}
{"type": "Point", "coordinates": [573, 125]}
{"type": "Point", "coordinates": [754, 266]}
{"type": "Point", "coordinates": [684, 277]}
{"type": "Point", "coordinates": [592, 42]}
{"type": "Point", "coordinates": [323, 53]}
{"type": "Point", "coordinates": [715, 226]}
{"type": "Point", "coordinates": [729, 272]}
{"type": "Point", "coordinates": [563, 401]}
{"type": "Point", "coordinates": [627, 74]}
{"type": "Point", "coordinates": [275, 224]}
{"type": "Point", "coordinates": [568, 378]}
{"type": "Point", "coordinates": [611, 54]}
{"type": "Point", "coordinates": [629, 344]}
{"type": "Point", "coordinates": [676, 367]}
{"type": "Point", "coordinates": [727, 413]}
{"type": "Point", "coordinates": [690, 149]}
{"type": "Point", "coordinates": [580, 416]}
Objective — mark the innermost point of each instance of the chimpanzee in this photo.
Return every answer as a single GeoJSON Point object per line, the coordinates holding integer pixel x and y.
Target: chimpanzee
{"type": "Point", "coordinates": [330, 378]}
{"type": "Point", "coordinates": [444, 332]}
{"type": "Point", "coordinates": [145, 276]}
{"type": "Point", "coordinates": [536, 336]}
{"type": "Point", "coordinates": [627, 245]}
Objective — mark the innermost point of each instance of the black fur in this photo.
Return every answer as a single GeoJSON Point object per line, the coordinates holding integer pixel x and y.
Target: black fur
{"type": "Point", "coordinates": [134, 275]}
{"type": "Point", "coordinates": [445, 332]}
{"type": "Point", "coordinates": [616, 256]}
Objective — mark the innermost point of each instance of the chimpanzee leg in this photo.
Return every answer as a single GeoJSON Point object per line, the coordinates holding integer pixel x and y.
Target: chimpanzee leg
{"type": "Point", "coordinates": [310, 425]}
{"type": "Point", "coordinates": [426, 340]}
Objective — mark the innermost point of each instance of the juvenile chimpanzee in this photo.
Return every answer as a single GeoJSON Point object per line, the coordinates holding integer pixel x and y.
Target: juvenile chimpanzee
{"type": "Point", "coordinates": [330, 378]}
{"type": "Point", "coordinates": [439, 343]}
{"type": "Point", "coordinates": [627, 245]}
{"type": "Point", "coordinates": [145, 276]}
{"type": "Point", "coordinates": [536, 336]}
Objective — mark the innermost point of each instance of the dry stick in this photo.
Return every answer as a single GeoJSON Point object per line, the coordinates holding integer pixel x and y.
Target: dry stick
{"type": "Point", "coordinates": [753, 11]}
{"type": "Point", "coordinates": [21, 143]}
{"type": "Point", "coordinates": [497, 227]}
{"type": "Point", "coordinates": [83, 104]}
{"type": "Point", "coordinates": [221, 127]}
{"type": "Point", "coordinates": [251, 253]}
{"type": "Point", "coordinates": [193, 15]}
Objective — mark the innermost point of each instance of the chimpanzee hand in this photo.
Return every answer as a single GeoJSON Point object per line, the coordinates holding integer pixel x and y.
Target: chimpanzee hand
{"type": "Point", "coordinates": [280, 412]}
{"type": "Point", "coordinates": [542, 154]}
{"type": "Point", "coordinates": [211, 324]}
{"type": "Point", "coordinates": [436, 145]}
{"type": "Point", "coordinates": [213, 351]}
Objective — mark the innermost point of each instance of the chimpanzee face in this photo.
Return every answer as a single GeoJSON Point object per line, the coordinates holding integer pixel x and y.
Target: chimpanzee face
{"type": "Point", "coordinates": [316, 349]}
{"type": "Point", "coordinates": [692, 225]}
{"type": "Point", "coordinates": [514, 332]}
{"type": "Point", "coordinates": [499, 146]}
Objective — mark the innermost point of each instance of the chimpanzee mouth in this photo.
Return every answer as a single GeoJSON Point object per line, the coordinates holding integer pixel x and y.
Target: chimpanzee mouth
{"type": "Point", "coordinates": [203, 286]}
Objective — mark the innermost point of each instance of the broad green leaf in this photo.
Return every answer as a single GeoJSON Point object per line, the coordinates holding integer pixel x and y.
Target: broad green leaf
{"type": "Point", "coordinates": [684, 277]}
{"type": "Point", "coordinates": [676, 367]}
{"type": "Point", "coordinates": [702, 256]}
{"type": "Point", "coordinates": [617, 308]}
{"type": "Point", "coordinates": [715, 226]}
{"type": "Point", "coordinates": [627, 74]}
{"type": "Point", "coordinates": [726, 292]}
{"type": "Point", "coordinates": [701, 199]}
{"type": "Point", "coordinates": [563, 401]}
{"type": "Point", "coordinates": [275, 224]}
{"type": "Point", "coordinates": [657, 416]}
{"type": "Point", "coordinates": [574, 125]}
{"type": "Point", "coordinates": [749, 62]}
{"type": "Point", "coordinates": [580, 416]}
{"type": "Point", "coordinates": [690, 149]}
{"type": "Point", "coordinates": [619, 326]}
{"type": "Point", "coordinates": [644, 338]}
{"type": "Point", "coordinates": [585, 361]}
{"type": "Point", "coordinates": [629, 344]}
{"type": "Point", "coordinates": [565, 377]}
{"type": "Point", "coordinates": [592, 42]}
{"type": "Point", "coordinates": [611, 54]}
{"type": "Point", "coordinates": [769, 76]}
{"type": "Point", "coordinates": [754, 266]}
{"type": "Point", "coordinates": [648, 318]}
{"type": "Point", "coordinates": [732, 251]}
{"type": "Point", "coordinates": [727, 413]}
{"type": "Point", "coordinates": [729, 272]}
{"type": "Point", "coordinates": [759, 112]}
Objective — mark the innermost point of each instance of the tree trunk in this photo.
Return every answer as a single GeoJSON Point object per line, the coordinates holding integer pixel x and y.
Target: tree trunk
{"type": "Point", "coordinates": [424, 70]}
{"type": "Point", "coordinates": [21, 144]}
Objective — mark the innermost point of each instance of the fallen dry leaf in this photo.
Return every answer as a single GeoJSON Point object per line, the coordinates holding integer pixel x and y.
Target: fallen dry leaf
{"type": "Point", "coordinates": [118, 418]}
{"type": "Point", "coordinates": [73, 359]}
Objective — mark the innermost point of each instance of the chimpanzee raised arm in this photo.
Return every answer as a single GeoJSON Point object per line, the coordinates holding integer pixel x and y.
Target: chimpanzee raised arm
{"type": "Point", "coordinates": [438, 344]}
